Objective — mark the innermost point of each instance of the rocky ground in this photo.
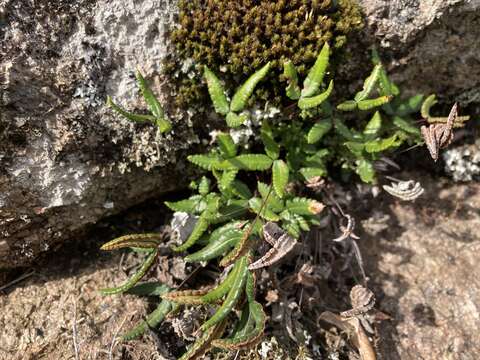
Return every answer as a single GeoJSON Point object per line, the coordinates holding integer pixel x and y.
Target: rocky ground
{"type": "Point", "coordinates": [420, 258]}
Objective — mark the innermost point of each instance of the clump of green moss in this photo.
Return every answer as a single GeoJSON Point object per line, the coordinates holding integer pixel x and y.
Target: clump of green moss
{"type": "Point", "coordinates": [237, 37]}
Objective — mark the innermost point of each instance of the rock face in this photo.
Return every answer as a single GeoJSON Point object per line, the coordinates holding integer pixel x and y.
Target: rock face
{"type": "Point", "coordinates": [432, 45]}
{"type": "Point", "coordinates": [66, 161]}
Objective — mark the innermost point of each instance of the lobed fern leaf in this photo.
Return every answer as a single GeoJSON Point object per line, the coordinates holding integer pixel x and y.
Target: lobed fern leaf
{"type": "Point", "coordinates": [241, 96]}
{"type": "Point", "coordinates": [319, 130]}
{"type": "Point", "coordinates": [373, 103]}
{"type": "Point", "coordinates": [234, 120]}
{"type": "Point", "coordinates": [290, 72]}
{"type": "Point", "coordinates": [308, 103]}
{"type": "Point", "coordinates": [317, 72]}
{"type": "Point", "coordinates": [369, 84]}
{"type": "Point", "coordinates": [216, 92]}
{"type": "Point", "coordinates": [280, 174]}
{"type": "Point", "coordinates": [226, 144]}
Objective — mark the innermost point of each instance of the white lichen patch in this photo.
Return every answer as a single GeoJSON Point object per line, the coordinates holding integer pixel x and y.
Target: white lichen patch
{"type": "Point", "coordinates": [59, 184]}
{"type": "Point", "coordinates": [463, 162]}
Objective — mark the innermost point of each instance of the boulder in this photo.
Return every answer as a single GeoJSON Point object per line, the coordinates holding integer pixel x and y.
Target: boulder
{"type": "Point", "coordinates": [67, 161]}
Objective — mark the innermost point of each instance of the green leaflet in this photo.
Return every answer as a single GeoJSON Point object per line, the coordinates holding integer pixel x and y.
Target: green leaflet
{"type": "Point", "coordinates": [270, 198]}
{"type": "Point", "coordinates": [135, 278]}
{"type": "Point", "coordinates": [128, 115]}
{"type": "Point", "coordinates": [217, 248]}
{"type": "Point", "coordinates": [207, 162]}
{"type": "Point", "coordinates": [247, 162]}
{"type": "Point", "coordinates": [372, 103]}
{"type": "Point", "coordinates": [365, 170]}
{"type": "Point", "coordinates": [190, 205]}
{"type": "Point", "coordinates": [317, 72]}
{"type": "Point", "coordinates": [227, 178]}
{"type": "Point", "coordinates": [152, 102]}
{"type": "Point", "coordinates": [348, 105]}
{"type": "Point", "coordinates": [151, 321]}
{"type": "Point", "coordinates": [250, 287]}
{"type": "Point", "coordinates": [319, 130]}
{"type": "Point", "coordinates": [374, 125]}
{"type": "Point", "coordinates": [204, 186]}
{"type": "Point", "coordinates": [406, 126]}
{"type": "Point", "coordinates": [240, 248]}
{"type": "Point", "coordinates": [154, 106]}
{"type": "Point", "coordinates": [380, 145]}
{"type": "Point", "coordinates": [222, 289]}
{"type": "Point", "coordinates": [241, 190]}
{"type": "Point", "coordinates": [226, 144]}
{"type": "Point", "coordinates": [217, 234]}
{"type": "Point", "coordinates": [304, 206]}
{"type": "Point", "coordinates": [369, 84]}
{"type": "Point", "coordinates": [280, 174]}
{"type": "Point", "coordinates": [234, 120]}
{"type": "Point", "coordinates": [216, 91]}
{"type": "Point", "coordinates": [341, 129]}
{"type": "Point", "coordinates": [248, 337]}
{"type": "Point", "coordinates": [410, 106]}
{"type": "Point", "coordinates": [272, 149]}
{"type": "Point", "coordinates": [355, 147]}
{"type": "Point", "coordinates": [233, 295]}
{"type": "Point", "coordinates": [289, 71]}
{"type": "Point", "coordinates": [239, 100]}
{"type": "Point", "coordinates": [149, 241]}
{"type": "Point", "coordinates": [266, 213]}
{"type": "Point", "coordinates": [200, 227]}
{"type": "Point", "coordinates": [426, 105]}
{"type": "Point", "coordinates": [308, 103]}
{"type": "Point", "coordinates": [309, 172]}
{"type": "Point", "coordinates": [149, 289]}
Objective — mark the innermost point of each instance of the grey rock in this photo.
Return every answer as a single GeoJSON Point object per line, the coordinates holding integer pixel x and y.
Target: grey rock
{"type": "Point", "coordinates": [67, 161]}
{"type": "Point", "coordinates": [432, 45]}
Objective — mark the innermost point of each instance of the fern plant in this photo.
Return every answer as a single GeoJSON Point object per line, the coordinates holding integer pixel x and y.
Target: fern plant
{"type": "Point", "coordinates": [230, 207]}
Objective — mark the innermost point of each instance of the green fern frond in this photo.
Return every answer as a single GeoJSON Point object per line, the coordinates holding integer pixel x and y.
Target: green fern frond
{"type": "Point", "coordinates": [207, 162]}
{"type": "Point", "coordinates": [135, 278]}
{"type": "Point", "coordinates": [251, 162]}
{"type": "Point", "coordinates": [290, 73]}
{"type": "Point", "coordinates": [317, 72]}
{"type": "Point", "coordinates": [239, 100]}
{"type": "Point", "coordinates": [148, 241]}
{"type": "Point", "coordinates": [373, 103]}
{"type": "Point", "coordinates": [226, 145]}
{"type": "Point", "coordinates": [234, 120]}
{"type": "Point", "coordinates": [152, 102]}
{"type": "Point", "coordinates": [216, 92]}
{"type": "Point", "coordinates": [304, 206]}
{"type": "Point", "coordinates": [369, 84]}
{"type": "Point", "coordinates": [280, 172]}
{"type": "Point", "coordinates": [308, 103]}
{"type": "Point", "coordinates": [427, 105]}
{"type": "Point", "coordinates": [410, 106]}
{"type": "Point", "coordinates": [190, 205]}
{"type": "Point", "coordinates": [319, 130]}
{"type": "Point", "coordinates": [233, 295]}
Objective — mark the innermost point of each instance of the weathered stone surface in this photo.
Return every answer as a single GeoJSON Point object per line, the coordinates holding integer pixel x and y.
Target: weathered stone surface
{"type": "Point", "coordinates": [66, 161]}
{"type": "Point", "coordinates": [432, 45]}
